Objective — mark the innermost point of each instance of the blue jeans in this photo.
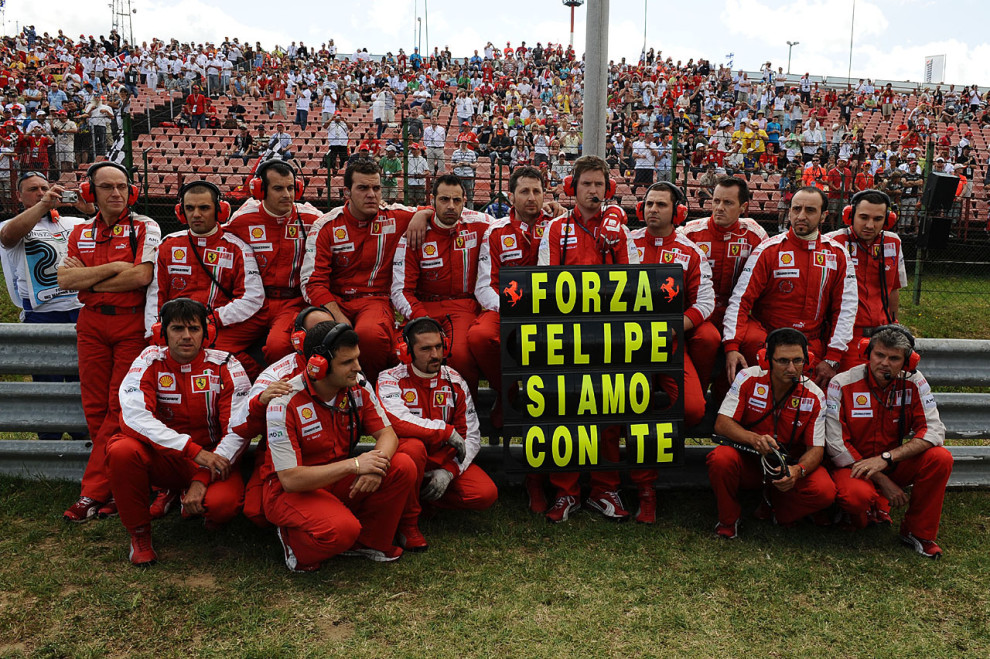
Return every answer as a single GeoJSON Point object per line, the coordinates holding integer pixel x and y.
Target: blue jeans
{"type": "Point", "coordinates": [35, 317]}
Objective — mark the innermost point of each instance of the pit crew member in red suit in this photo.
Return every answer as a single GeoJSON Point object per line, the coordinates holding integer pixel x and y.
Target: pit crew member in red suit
{"type": "Point", "coordinates": [349, 256]}
{"type": "Point", "coordinates": [727, 240]}
{"type": "Point", "coordinates": [772, 406]}
{"type": "Point", "coordinates": [272, 383]}
{"type": "Point", "coordinates": [439, 278]}
{"type": "Point", "coordinates": [212, 266]}
{"type": "Point", "coordinates": [657, 242]}
{"type": "Point", "coordinates": [798, 279]}
{"type": "Point", "coordinates": [177, 402]}
{"type": "Point", "coordinates": [879, 262]}
{"type": "Point", "coordinates": [110, 262]}
{"type": "Point", "coordinates": [323, 498]}
{"type": "Point", "coordinates": [274, 223]}
{"type": "Point", "coordinates": [431, 406]}
{"type": "Point", "coordinates": [591, 234]}
{"type": "Point", "coordinates": [871, 409]}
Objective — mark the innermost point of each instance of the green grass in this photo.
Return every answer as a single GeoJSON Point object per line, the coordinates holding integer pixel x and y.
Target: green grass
{"type": "Point", "coordinates": [500, 583]}
{"type": "Point", "coordinates": [950, 306]}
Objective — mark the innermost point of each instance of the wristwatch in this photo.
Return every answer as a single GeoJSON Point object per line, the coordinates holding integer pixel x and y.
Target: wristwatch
{"type": "Point", "coordinates": [834, 363]}
{"type": "Point", "coordinates": [802, 470]}
{"type": "Point", "coordinates": [888, 458]}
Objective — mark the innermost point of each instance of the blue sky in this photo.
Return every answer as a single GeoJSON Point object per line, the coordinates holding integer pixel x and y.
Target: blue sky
{"type": "Point", "coordinates": [892, 37]}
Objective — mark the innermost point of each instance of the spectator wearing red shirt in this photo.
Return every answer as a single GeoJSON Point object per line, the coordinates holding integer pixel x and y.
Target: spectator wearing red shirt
{"type": "Point", "coordinates": [196, 107]}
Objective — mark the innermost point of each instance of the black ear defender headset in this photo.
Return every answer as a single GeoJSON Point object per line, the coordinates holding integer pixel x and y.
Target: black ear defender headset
{"type": "Point", "coordinates": [890, 221]}
{"type": "Point", "coordinates": [676, 195]}
{"type": "Point", "coordinates": [298, 336]}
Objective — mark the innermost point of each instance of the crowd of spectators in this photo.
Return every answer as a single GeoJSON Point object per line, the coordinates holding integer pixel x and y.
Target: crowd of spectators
{"type": "Point", "coordinates": [514, 105]}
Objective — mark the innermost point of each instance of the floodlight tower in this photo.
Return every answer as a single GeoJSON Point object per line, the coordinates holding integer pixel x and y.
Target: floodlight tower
{"type": "Point", "coordinates": [573, 4]}
{"type": "Point", "coordinates": [122, 12]}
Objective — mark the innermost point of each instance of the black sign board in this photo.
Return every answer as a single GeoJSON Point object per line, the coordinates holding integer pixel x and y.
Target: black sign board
{"type": "Point", "coordinates": [593, 352]}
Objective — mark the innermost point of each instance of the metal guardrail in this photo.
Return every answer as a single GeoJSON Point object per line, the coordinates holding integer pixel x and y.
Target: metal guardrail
{"type": "Point", "coordinates": [48, 407]}
{"type": "Point", "coordinates": [67, 461]}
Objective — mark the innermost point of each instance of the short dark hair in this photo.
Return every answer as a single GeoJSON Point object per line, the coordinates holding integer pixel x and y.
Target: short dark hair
{"type": "Point", "coordinates": [419, 326]}
{"type": "Point", "coordinates": [346, 337]}
{"type": "Point", "coordinates": [586, 164]}
{"type": "Point", "coordinates": [872, 197]}
{"type": "Point", "coordinates": [448, 179]}
{"type": "Point", "coordinates": [742, 189]}
{"type": "Point", "coordinates": [810, 188]}
{"type": "Point", "coordinates": [786, 336]}
{"type": "Point", "coordinates": [265, 168]}
{"type": "Point", "coordinates": [200, 186]}
{"type": "Point", "coordinates": [183, 309]}
{"type": "Point", "coordinates": [360, 165]}
{"type": "Point", "coordinates": [526, 171]}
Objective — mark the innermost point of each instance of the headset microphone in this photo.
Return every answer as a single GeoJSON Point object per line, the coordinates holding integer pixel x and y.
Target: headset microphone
{"type": "Point", "coordinates": [887, 376]}
{"type": "Point", "coordinates": [796, 380]}
{"type": "Point", "coordinates": [596, 200]}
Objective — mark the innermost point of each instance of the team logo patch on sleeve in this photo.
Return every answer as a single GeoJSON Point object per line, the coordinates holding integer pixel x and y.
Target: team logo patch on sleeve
{"type": "Point", "coordinates": [166, 382]}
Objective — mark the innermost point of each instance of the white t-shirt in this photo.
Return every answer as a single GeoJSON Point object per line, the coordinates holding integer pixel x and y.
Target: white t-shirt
{"type": "Point", "coordinates": [32, 264]}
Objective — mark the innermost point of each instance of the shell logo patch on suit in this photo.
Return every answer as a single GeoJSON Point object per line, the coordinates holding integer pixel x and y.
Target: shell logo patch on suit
{"type": "Point", "coordinates": [306, 412]}
{"type": "Point", "coordinates": [430, 249]}
{"type": "Point", "coordinates": [166, 382]}
{"type": "Point", "coordinates": [785, 258]}
{"type": "Point", "coordinates": [257, 233]}
{"type": "Point", "coordinates": [508, 242]}
{"type": "Point", "coordinates": [861, 400]}
{"type": "Point", "coordinates": [340, 234]}
{"type": "Point", "coordinates": [409, 395]}
{"type": "Point", "coordinates": [178, 255]}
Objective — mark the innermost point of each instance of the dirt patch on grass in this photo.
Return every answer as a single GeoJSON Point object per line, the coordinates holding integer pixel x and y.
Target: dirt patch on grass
{"type": "Point", "coordinates": [200, 580]}
{"type": "Point", "coordinates": [335, 630]}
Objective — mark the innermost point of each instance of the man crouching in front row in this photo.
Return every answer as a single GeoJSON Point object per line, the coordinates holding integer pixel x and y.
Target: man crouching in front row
{"type": "Point", "coordinates": [324, 498]}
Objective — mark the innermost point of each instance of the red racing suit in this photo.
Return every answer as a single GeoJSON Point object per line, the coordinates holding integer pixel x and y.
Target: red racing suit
{"type": "Point", "coordinates": [876, 278]}
{"type": "Point", "coordinates": [507, 242]}
{"type": "Point", "coordinates": [726, 250]}
{"type": "Point", "coordinates": [220, 271]}
{"type": "Point", "coordinates": [428, 410]}
{"type": "Point", "coordinates": [862, 420]}
{"type": "Point", "coordinates": [279, 245]}
{"type": "Point", "coordinates": [350, 263]}
{"type": "Point", "coordinates": [249, 422]}
{"type": "Point", "coordinates": [569, 240]}
{"type": "Point", "coordinates": [796, 422]}
{"type": "Point", "coordinates": [110, 332]}
{"type": "Point", "coordinates": [809, 285]}
{"type": "Point", "coordinates": [169, 413]}
{"type": "Point", "coordinates": [438, 280]}
{"type": "Point", "coordinates": [699, 299]}
{"type": "Point", "coordinates": [305, 430]}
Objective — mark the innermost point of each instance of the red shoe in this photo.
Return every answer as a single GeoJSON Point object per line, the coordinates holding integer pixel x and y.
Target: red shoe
{"type": "Point", "coordinates": [727, 531]}
{"type": "Point", "coordinates": [109, 509]}
{"type": "Point", "coordinates": [647, 513]}
{"type": "Point", "coordinates": [82, 510]}
{"type": "Point", "coordinates": [411, 539]}
{"type": "Point", "coordinates": [924, 547]}
{"type": "Point", "coordinates": [609, 504]}
{"type": "Point", "coordinates": [879, 516]}
{"type": "Point", "coordinates": [392, 554]}
{"type": "Point", "coordinates": [291, 561]}
{"type": "Point", "coordinates": [163, 502]}
{"type": "Point", "coordinates": [537, 496]}
{"type": "Point", "coordinates": [562, 509]}
{"type": "Point", "coordinates": [142, 553]}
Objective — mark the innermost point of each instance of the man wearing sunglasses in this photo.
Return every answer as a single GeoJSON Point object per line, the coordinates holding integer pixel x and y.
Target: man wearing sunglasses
{"type": "Point", "coordinates": [34, 242]}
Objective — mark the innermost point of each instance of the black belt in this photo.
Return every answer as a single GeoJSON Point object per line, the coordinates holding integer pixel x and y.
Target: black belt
{"type": "Point", "coordinates": [282, 292]}
{"type": "Point", "coordinates": [110, 310]}
{"type": "Point", "coordinates": [441, 298]}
